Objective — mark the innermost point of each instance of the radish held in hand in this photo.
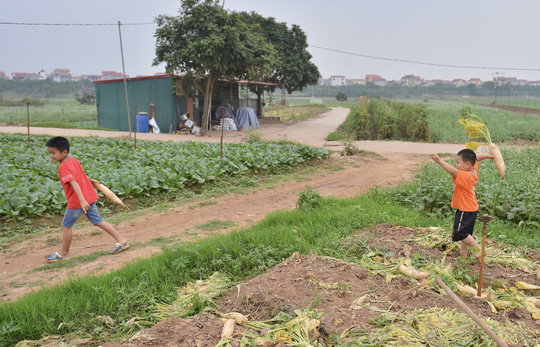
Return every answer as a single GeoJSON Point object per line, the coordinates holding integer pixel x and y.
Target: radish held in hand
{"type": "Point", "coordinates": [477, 130]}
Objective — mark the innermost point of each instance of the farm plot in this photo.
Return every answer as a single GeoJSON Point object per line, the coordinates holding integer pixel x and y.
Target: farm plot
{"type": "Point", "coordinates": [30, 186]}
{"type": "Point", "coordinates": [363, 300]}
{"type": "Point", "coordinates": [516, 202]}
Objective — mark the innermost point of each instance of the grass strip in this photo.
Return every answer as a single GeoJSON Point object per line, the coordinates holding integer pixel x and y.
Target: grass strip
{"type": "Point", "coordinates": [134, 290]}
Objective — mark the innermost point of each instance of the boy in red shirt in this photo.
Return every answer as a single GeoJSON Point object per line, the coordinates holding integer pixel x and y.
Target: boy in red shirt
{"type": "Point", "coordinates": [465, 177]}
{"type": "Point", "coordinates": [81, 197]}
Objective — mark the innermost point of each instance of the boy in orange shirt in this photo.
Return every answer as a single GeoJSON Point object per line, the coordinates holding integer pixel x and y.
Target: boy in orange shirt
{"type": "Point", "coordinates": [81, 198]}
{"type": "Point", "coordinates": [465, 177]}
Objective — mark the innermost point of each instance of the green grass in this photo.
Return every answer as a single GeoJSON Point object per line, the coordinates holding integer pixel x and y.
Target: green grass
{"type": "Point", "coordinates": [134, 290]}
{"type": "Point", "coordinates": [296, 112]}
{"type": "Point", "coordinates": [443, 120]}
{"type": "Point", "coordinates": [527, 102]}
{"type": "Point", "coordinates": [215, 225]}
{"type": "Point", "coordinates": [57, 110]}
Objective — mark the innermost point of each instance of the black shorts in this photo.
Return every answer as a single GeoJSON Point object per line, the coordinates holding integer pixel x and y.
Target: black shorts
{"type": "Point", "coordinates": [463, 225]}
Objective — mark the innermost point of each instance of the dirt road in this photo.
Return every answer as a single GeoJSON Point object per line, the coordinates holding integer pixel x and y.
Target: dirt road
{"type": "Point", "coordinates": [397, 162]}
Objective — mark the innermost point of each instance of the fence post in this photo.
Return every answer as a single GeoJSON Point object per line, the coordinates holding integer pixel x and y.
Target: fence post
{"type": "Point", "coordinates": [28, 119]}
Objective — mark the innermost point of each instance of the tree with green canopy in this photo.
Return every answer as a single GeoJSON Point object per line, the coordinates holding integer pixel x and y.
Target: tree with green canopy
{"type": "Point", "coordinates": [206, 43]}
{"type": "Point", "coordinates": [294, 70]}
{"type": "Point", "coordinates": [341, 96]}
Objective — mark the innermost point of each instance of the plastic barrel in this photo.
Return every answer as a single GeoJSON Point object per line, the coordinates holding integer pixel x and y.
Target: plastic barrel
{"type": "Point", "coordinates": [142, 122]}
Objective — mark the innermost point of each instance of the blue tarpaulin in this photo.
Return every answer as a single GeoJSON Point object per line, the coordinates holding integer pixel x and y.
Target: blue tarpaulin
{"type": "Point", "coordinates": [246, 118]}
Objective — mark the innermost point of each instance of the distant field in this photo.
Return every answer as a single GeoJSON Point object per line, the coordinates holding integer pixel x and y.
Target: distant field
{"type": "Point", "coordinates": [295, 112]}
{"type": "Point", "coordinates": [443, 120]}
{"type": "Point", "coordinates": [63, 110]}
{"type": "Point", "coordinates": [327, 101]}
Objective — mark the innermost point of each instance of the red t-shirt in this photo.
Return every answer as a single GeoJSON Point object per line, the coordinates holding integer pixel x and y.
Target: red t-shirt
{"type": "Point", "coordinates": [464, 198]}
{"type": "Point", "coordinates": [72, 170]}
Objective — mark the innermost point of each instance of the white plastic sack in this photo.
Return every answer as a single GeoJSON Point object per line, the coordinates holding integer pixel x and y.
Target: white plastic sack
{"type": "Point", "coordinates": [228, 125]}
{"type": "Point", "coordinates": [154, 125]}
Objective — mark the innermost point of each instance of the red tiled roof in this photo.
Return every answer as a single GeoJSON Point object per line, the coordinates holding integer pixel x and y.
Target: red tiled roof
{"type": "Point", "coordinates": [114, 73]}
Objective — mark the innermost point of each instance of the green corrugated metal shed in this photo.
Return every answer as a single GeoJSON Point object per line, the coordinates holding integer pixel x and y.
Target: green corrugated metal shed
{"type": "Point", "coordinates": [142, 91]}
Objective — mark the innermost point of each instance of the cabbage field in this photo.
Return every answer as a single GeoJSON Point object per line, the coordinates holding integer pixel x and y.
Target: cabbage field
{"type": "Point", "coordinates": [517, 201]}
{"type": "Point", "coordinates": [30, 186]}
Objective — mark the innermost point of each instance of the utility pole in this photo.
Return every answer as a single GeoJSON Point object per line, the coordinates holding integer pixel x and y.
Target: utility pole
{"type": "Point", "coordinates": [125, 83]}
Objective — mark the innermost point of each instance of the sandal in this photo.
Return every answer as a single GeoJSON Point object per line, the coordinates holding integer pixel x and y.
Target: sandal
{"type": "Point", "coordinates": [54, 258]}
{"type": "Point", "coordinates": [119, 248]}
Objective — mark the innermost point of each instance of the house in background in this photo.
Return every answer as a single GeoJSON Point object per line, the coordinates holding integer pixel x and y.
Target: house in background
{"type": "Point", "coordinates": [337, 80]}
{"type": "Point", "coordinates": [411, 80]}
{"type": "Point", "coordinates": [377, 80]}
{"type": "Point", "coordinates": [24, 76]}
{"type": "Point", "coordinates": [3, 75]}
{"type": "Point", "coordinates": [476, 81]}
{"type": "Point", "coordinates": [513, 81]}
{"type": "Point", "coordinates": [112, 75]}
{"type": "Point", "coordinates": [42, 75]}
{"type": "Point", "coordinates": [61, 75]}
{"type": "Point", "coordinates": [358, 81]}
{"type": "Point", "coordinates": [458, 82]}
{"type": "Point", "coordinates": [92, 78]}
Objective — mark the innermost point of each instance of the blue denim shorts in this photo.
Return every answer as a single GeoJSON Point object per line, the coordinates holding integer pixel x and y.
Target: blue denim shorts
{"type": "Point", "coordinates": [71, 216]}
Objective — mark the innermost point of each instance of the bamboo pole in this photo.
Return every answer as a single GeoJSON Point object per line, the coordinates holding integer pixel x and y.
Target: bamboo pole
{"type": "Point", "coordinates": [485, 219]}
{"type": "Point", "coordinates": [28, 119]}
{"type": "Point", "coordinates": [135, 132]}
{"type": "Point", "coordinates": [500, 342]}
{"type": "Point", "coordinates": [222, 127]}
{"type": "Point", "coordinates": [125, 83]}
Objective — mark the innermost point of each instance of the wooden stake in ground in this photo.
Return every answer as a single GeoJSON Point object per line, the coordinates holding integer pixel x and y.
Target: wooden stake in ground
{"type": "Point", "coordinates": [485, 219]}
{"type": "Point", "coordinates": [500, 342]}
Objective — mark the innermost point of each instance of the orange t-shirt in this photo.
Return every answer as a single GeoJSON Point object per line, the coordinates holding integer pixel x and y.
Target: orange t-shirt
{"type": "Point", "coordinates": [72, 170]}
{"type": "Point", "coordinates": [464, 198]}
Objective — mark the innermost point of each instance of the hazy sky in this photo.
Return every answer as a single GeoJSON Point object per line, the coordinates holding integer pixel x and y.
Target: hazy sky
{"type": "Point", "coordinates": [480, 33]}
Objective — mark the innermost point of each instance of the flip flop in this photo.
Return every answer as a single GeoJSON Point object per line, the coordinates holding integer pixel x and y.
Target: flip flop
{"type": "Point", "coordinates": [54, 258]}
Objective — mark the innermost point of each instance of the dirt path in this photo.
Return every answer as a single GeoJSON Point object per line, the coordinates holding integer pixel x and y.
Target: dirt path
{"type": "Point", "coordinates": [356, 174]}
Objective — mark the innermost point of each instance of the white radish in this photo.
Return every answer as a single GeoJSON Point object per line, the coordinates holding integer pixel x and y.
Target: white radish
{"type": "Point", "coordinates": [413, 273]}
{"type": "Point", "coordinates": [228, 329]}
{"type": "Point", "coordinates": [109, 194]}
{"type": "Point", "coordinates": [498, 159]}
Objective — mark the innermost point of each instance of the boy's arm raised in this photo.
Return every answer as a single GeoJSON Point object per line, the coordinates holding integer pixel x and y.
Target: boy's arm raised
{"type": "Point", "coordinates": [482, 156]}
{"type": "Point", "coordinates": [447, 167]}
{"type": "Point", "coordinates": [77, 189]}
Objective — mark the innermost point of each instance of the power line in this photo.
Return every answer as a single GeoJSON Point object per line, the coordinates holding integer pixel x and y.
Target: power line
{"type": "Point", "coordinates": [426, 63]}
{"type": "Point", "coordinates": [71, 24]}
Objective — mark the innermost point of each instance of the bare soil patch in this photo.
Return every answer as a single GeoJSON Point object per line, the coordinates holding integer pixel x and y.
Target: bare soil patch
{"type": "Point", "coordinates": [516, 109]}
{"type": "Point", "coordinates": [332, 286]}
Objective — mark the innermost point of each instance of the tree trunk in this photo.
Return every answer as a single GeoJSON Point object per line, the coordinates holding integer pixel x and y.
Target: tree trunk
{"type": "Point", "coordinates": [260, 110]}
{"type": "Point", "coordinates": [206, 105]}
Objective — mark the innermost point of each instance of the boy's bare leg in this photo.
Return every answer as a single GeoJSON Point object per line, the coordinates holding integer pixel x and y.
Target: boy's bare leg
{"type": "Point", "coordinates": [67, 235]}
{"type": "Point", "coordinates": [109, 229]}
{"type": "Point", "coordinates": [467, 242]}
